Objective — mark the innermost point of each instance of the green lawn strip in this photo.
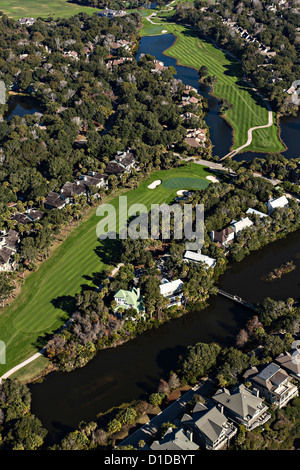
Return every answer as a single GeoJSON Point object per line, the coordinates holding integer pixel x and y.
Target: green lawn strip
{"type": "Point", "coordinates": [248, 108]}
{"type": "Point", "coordinates": [56, 8]}
{"type": "Point", "coordinates": [47, 296]}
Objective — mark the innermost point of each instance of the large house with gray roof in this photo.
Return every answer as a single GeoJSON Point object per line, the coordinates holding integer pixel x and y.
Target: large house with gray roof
{"type": "Point", "coordinates": [290, 361]}
{"type": "Point", "coordinates": [243, 406]}
{"type": "Point", "coordinates": [274, 384]}
{"type": "Point", "coordinates": [175, 440]}
{"type": "Point", "coordinates": [210, 428]}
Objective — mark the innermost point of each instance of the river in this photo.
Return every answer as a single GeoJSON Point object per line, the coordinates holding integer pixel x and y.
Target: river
{"type": "Point", "coordinates": [133, 370]}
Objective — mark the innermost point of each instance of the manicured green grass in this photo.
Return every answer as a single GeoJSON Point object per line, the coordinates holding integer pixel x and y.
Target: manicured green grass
{"type": "Point", "coordinates": [47, 297]}
{"type": "Point", "coordinates": [248, 109]}
{"type": "Point", "coordinates": [185, 183]}
{"type": "Point", "coordinates": [55, 8]}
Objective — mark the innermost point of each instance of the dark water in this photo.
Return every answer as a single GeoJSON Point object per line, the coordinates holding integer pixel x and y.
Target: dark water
{"type": "Point", "coordinates": [21, 105]}
{"type": "Point", "coordinates": [220, 131]}
{"type": "Point", "coordinates": [133, 370]}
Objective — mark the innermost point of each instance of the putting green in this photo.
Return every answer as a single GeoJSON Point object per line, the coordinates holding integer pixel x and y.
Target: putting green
{"type": "Point", "coordinates": [185, 183]}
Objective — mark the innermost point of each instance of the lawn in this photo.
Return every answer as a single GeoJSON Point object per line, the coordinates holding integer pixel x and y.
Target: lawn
{"type": "Point", "coordinates": [47, 296]}
{"type": "Point", "coordinates": [248, 110]}
{"type": "Point", "coordinates": [56, 8]}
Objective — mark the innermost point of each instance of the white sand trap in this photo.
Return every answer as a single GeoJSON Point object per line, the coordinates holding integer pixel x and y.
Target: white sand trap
{"type": "Point", "coordinates": [181, 192]}
{"type": "Point", "coordinates": [154, 184]}
{"type": "Point", "coordinates": [164, 31]}
{"type": "Point", "coordinates": [213, 179]}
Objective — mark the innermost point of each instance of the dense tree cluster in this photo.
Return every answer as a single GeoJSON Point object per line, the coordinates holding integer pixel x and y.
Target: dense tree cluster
{"type": "Point", "coordinates": [19, 429]}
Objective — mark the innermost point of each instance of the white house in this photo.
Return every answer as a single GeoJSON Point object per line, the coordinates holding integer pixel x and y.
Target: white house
{"type": "Point", "coordinates": [197, 257]}
{"type": "Point", "coordinates": [277, 202]}
{"type": "Point", "coordinates": [172, 290]}
{"type": "Point", "coordinates": [240, 225]}
{"type": "Point", "coordinates": [254, 211]}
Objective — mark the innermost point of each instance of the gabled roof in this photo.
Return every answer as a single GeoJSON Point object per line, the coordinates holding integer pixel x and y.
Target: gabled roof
{"type": "Point", "coordinates": [174, 440]}
{"type": "Point", "coordinates": [210, 422]}
{"type": "Point", "coordinates": [198, 257]}
{"type": "Point", "coordinates": [291, 361]}
{"type": "Point", "coordinates": [239, 400]}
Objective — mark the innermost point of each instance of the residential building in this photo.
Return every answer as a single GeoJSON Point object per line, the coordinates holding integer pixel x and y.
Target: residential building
{"type": "Point", "coordinates": [54, 201]}
{"type": "Point", "coordinates": [223, 237]}
{"type": "Point", "coordinates": [172, 291]}
{"type": "Point", "coordinates": [70, 190]}
{"type": "Point", "coordinates": [243, 406]}
{"type": "Point", "coordinates": [34, 214]}
{"type": "Point", "coordinates": [239, 225]}
{"type": "Point", "coordinates": [122, 163]}
{"type": "Point", "coordinates": [274, 384]}
{"type": "Point", "coordinates": [8, 246]}
{"type": "Point", "coordinates": [209, 427]}
{"type": "Point", "coordinates": [277, 202]}
{"type": "Point", "coordinates": [95, 179]}
{"type": "Point", "coordinates": [129, 299]}
{"type": "Point", "coordinates": [111, 13]}
{"type": "Point", "coordinates": [197, 257]}
{"type": "Point", "coordinates": [27, 21]}
{"type": "Point", "coordinates": [175, 439]}
{"type": "Point", "coordinates": [158, 66]}
{"type": "Point", "coordinates": [255, 212]}
{"type": "Point", "coordinates": [290, 361]}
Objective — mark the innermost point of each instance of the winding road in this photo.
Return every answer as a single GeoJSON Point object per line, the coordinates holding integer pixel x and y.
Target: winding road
{"type": "Point", "coordinates": [234, 152]}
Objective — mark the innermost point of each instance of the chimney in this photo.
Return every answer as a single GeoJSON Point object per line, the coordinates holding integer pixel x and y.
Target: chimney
{"type": "Point", "coordinates": [189, 435]}
{"type": "Point", "coordinates": [255, 392]}
{"type": "Point", "coordinates": [212, 235]}
{"type": "Point", "coordinates": [221, 409]}
{"type": "Point", "coordinates": [138, 292]}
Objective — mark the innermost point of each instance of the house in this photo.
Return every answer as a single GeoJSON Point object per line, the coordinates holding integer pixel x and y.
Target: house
{"type": "Point", "coordinates": [175, 439]}
{"type": "Point", "coordinates": [197, 257]}
{"type": "Point", "coordinates": [21, 218]}
{"type": "Point", "coordinates": [209, 427]}
{"type": "Point", "coordinates": [111, 13]}
{"type": "Point", "coordinates": [275, 385]}
{"type": "Point", "coordinates": [158, 66]}
{"type": "Point", "coordinates": [122, 163]}
{"type": "Point", "coordinates": [243, 406]}
{"type": "Point", "coordinates": [172, 291]}
{"type": "Point", "coordinates": [34, 214]}
{"type": "Point", "coordinates": [277, 202]}
{"type": "Point", "coordinates": [255, 212]}
{"type": "Point", "coordinates": [129, 299]}
{"type": "Point", "coordinates": [290, 361]}
{"type": "Point", "coordinates": [70, 190]}
{"type": "Point", "coordinates": [223, 237]}
{"type": "Point", "coordinates": [8, 247]}
{"type": "Point", "coordinates": [54, 201]}
{"type": "Point", "coordinates": [27, 21]}
{"type": "Point", "coordinates": [96, 179]}
{"type": "Point", "coordinates": [195, 137]}
{"type": "Point", "coordinates": [240, 225]}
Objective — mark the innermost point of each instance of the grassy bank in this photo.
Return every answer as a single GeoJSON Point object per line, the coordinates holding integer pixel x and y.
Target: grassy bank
{"type": "Point", "coordinates": [47, 296]}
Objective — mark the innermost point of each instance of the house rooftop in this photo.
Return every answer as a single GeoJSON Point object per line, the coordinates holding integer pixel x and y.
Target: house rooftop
{"type": "Point", "coordinates": [198, 257]}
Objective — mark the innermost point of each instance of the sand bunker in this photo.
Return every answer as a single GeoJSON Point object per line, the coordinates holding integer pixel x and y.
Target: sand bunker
{"type": "Point", "coordinates": [154, 184]}
{"type": "Point", "coordinates": [213, 179]}
{"type": "Point", "coordinates": [164, 31]}
{"type": "Point", "coordinates": [181, 192]}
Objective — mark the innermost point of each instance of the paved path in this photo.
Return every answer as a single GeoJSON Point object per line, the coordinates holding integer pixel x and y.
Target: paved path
{"type": "Point", "coordinates": [250, 131]}
{"type": "Point", "coordinates": [149, 429]}
{"type": "Point", "coordinates": [32, 358]}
